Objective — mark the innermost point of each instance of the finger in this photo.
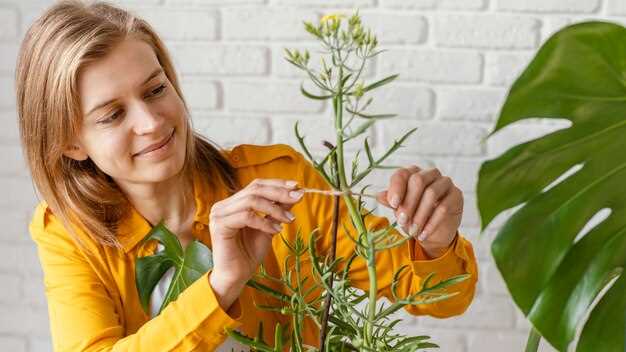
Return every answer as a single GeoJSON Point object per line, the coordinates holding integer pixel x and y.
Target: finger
{"type": "Point", "coordinates": [429, 200]}
{"type": "Point", "coordinates": [242, 219]}
{"type": "Point", "coordinates": [416, 185]}
{"type": "Point", "coordinates": [278, 182]}
{"type": "Point", "coordinates": [271, 192]}
{"type": "Point", "coordinates": [381, 197]}
{"type": "Point", "coordinates": [253, 202]}
{"type": "Point", "coordinates": [450, 205]}
{"type": "Point", "coordinates": [398, 184]}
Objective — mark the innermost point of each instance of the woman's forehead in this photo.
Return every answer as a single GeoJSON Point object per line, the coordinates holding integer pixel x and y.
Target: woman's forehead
{"type": "Point", "coordinates": [123, 70]}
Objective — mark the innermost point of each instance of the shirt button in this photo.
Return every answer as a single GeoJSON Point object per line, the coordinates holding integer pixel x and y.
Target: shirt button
{"type": "Point", "coordinates": [198, 226]}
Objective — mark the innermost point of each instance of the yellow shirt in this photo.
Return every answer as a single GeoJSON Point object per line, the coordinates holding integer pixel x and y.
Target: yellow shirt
{"type": "Point", "coordinates": [93, 301]}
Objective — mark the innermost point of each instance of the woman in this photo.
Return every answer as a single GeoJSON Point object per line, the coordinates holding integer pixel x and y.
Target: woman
{"type": "Point", "coordinates": [111, 150]}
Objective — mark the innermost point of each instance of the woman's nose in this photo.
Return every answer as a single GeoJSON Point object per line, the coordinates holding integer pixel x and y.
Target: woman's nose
{"type": "Point", "coordinates": [145, 119]}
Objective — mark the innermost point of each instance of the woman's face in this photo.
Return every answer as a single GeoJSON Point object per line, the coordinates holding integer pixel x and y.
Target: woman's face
{"type": "Point", "coordinates": [134, 122]}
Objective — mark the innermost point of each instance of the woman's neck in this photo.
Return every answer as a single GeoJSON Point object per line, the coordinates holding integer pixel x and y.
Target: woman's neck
{"type": "Point", "coordinates": [171, 200]}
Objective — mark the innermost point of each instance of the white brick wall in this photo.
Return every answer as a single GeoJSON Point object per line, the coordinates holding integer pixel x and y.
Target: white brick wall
{"type": "Point", "coordinates": [456, 60]}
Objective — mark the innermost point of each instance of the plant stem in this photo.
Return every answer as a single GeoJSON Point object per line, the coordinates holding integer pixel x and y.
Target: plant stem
{"type": "Point", "coordinates": [355, 215]}
{"type": "Point", "coordinates": [533, 340]}
{"type": "Point", "coordinates": [333, 253]}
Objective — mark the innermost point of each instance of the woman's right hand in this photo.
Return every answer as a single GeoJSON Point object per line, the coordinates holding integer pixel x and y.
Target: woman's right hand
{"type": "Point", "coordinates": [241, 238]}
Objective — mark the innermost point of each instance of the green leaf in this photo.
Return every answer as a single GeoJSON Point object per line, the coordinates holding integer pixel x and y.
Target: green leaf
{"type": "Point", "coordinates": [553, 275]}
{"type": "Point", "coordinates": [367, 116]}
{"type": "Point", "coordinates": [313, 96]}
{"type": "Point", "coordinates": [189, 265]}
{"type": "Point", "coordinates": [380, 83]}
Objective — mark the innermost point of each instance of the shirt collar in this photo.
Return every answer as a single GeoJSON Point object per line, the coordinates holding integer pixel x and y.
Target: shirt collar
{"type": "Point", "coordinates": [134, 227]}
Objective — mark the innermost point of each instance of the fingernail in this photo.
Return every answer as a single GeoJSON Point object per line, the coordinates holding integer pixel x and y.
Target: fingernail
{"type": "Point", "coordinates": [296, 194]}
{"type": "Point", "coordinates": [289, 215]}
{"type": "Point", "coordinates": [394, 201]}
{"type": "Point", "coordinates": [291, 183]}
{"type": "Point", "coordinates": [402, 218]}
{"type": "Point", "coordinates": [277, 227]}
{"type": "Point", "coordinates": [413, 230]}
{"type": "Point", "coordinates": [422, 236]}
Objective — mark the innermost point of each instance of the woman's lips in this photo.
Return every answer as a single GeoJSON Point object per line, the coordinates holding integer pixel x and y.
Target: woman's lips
{"type": "Point", "coordinates": [155, 146]}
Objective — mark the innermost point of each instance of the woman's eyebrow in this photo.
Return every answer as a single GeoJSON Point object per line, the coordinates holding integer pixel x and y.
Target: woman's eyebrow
{"type": "Point", "coordinates": [154, 73]}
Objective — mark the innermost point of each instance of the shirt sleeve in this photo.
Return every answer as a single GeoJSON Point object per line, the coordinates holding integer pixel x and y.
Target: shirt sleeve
{"type": "Point", "coordinates": [82, 309]}
{"type": "Point", "coordinates": [459, 258]}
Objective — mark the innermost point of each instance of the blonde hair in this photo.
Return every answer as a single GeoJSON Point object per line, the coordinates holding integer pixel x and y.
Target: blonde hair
{"type": "Point", "coordinates": [68, 36]}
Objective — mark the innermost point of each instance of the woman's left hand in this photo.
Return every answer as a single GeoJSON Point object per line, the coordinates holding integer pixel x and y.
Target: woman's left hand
{"type": "Point", "coordinates": [427, 205]}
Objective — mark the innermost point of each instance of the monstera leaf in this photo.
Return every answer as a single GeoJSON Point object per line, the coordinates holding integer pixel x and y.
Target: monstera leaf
{"type": "Point", "coordinates": [190, 264]}
{"type": "Point", "coordinates": [552, 268]}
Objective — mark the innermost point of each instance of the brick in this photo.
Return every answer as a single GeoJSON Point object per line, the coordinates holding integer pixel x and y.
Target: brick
{"type": "Point", "coordinates": [7, 92]}
{"type": "Point", "coordinates": [11, 289]}
{"type": "Point", "coordinates": [549, 6]}
{"type": "Point", "coordinates": [486, 31]}
{"type": "Point", "coordinates": [396, 28]}
{"type": "Point", "coordinates": [8, 58]}
{"type": "Point", "coordinates": [497, 342]}
{"type": "Point", "coordinates": [14, 225]}
{"type": "Point", "coordinates": [8, 24]}
{"type": "Point", "coordinates": [40, 344]}
{"type": "Point", "coordinates": [229, 131]}
{"type": "Point", "coordinates": [13, 344]}
{"type": "Point", "coordinates": [18, 193]}
{"type": "Point", "coordinates": [401, 99]}
{"type": "Point", "coordinates": [471, 215]}
{"type": "Point", "coordinates": [436, 4]}
{"type": "Point", "coordinates": [268, 96]}
{"type": "Point", "coordinates": [492, 280]}
{"type": "Point", "coordinates": [19, 258]}
{"type": "Point", "coordinates": [174, 24]}
{"type": "Point", "coordinates": [503, 69]}
{"type": "Point", "coordinates": [469, 104]}
{"type": "Point", "coordinates": [201, 93]}
{"type": "Point", "coordinates": [553, 25]}
{"type": "Point", "coordinates": [433, 65]}
{"type": "Point", "coordinates": [327, 3]}
{"type": "Point", "coordinates": [31, 320]}
{"type": "Point", "coordinates": [616, 7]}
{"type": "Point", "coordinates": [463, 171]}
{"type": "Point", "coordinates": [9, 133]}
{"type": "Point", "coordinates": [483, 313]}
{"type": "Point", "coordinates": [199, 3]}
{"type": "Point", "coordinates": [265, 23]}
{"type": "Point", "coordinates": [436, 138]}
{"type": "Point", "coordinates": [221, 59]}
{"type": "Point", "coordinates": [283, 129]}
{"type": "Point", "coordinates": [520, 132]}
{"type": "Point", "coordinates": [34, 292]}
{"type": "Point", "coordinates": [11, 161]}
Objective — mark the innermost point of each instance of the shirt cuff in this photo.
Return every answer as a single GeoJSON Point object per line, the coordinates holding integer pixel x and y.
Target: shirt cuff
{"type": "Point", "coordinates": [204, 302]}
{"type": "Point", "coordinates": [452, 262]}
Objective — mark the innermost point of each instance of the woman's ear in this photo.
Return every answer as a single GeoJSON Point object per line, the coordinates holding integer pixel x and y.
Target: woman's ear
{"type": "Point", "coordinates": [75, 152]}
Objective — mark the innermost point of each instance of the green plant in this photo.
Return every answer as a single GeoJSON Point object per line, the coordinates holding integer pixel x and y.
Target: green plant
{"type": "Point", "coordinates": [553, 268]}
{"type": "Point", "coordinates": [343, 326]}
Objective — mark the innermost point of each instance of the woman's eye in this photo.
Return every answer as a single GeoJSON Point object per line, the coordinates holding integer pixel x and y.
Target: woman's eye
{"type": "Point", "coordinates": [158, 90]}
{"type": "Point", "coordinates": [110, 118]}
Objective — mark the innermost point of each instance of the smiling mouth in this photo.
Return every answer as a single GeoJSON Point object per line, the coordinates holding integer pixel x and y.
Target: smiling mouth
{"type": "Point", "coordinates": [158, 146]}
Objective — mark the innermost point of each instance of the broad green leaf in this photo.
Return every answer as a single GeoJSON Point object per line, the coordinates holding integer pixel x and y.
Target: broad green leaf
{"type": "Point", "coordinates": [190, 264]}
{"type": "Point", "coordinates": [553, 276]}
